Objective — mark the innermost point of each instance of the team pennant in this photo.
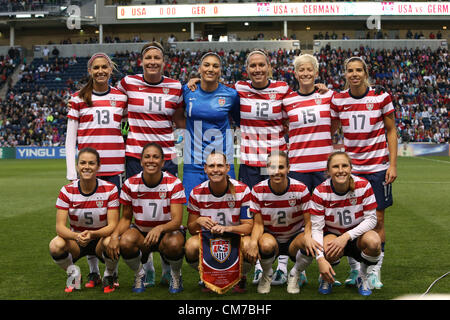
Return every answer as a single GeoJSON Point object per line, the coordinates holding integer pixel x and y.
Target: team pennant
{"type": "Point", "coordinates": [221, 260]}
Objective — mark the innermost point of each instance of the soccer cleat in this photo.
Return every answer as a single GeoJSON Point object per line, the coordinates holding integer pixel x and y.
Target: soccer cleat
{"type": "Point", "coordinates": [264, 283]}
{"type": "Point", "coordinates": [363, 286]}
{"type": "Point", "coordinates": [108, 284]}
{"type": "Point", "coordinates": [351, 279]}
{"type": "Point", "coordinates": [374, 281]}
{"type": "Point", "coordinates": [241, 286]}
{"type": "Point", "coordinates": [139, 280]}
{"type": "Point", "coordinates": [324, 286]}
{"type": "Point", "coordinates": [93, 280]}
{"type": "Point", "coordinates": [176, 284]}
{"type": "Point", "coordinates": [149, 280]}
{"type": "Point", "coordinates": [73, 281]}
{"type": "Point", "coordinates": [279, 278]}
{"type": "Point", "coordinates": [165, 278]}
{"type": "Point", "coordinates": [302, 280]}
{"type": "Point", "coordinates": [257, 276]}
{"type": "Point", "coordinates": [293, 283]}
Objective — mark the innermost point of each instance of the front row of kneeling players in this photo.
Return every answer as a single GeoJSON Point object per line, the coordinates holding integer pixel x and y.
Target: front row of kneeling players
{"type": "Point", "coordinates": [279, 216]}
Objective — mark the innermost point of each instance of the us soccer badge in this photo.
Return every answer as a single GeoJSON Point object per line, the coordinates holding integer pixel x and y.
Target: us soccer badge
{"type": "Point", "coordinates": [220, 260]}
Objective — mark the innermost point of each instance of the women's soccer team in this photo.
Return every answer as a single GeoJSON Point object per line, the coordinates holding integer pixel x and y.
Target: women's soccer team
{"type": "Point", "coordinates": [295, 197]}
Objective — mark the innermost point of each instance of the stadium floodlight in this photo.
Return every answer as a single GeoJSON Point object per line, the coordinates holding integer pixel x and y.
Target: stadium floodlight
{"type": "Point", "coordinates": [20, 16]}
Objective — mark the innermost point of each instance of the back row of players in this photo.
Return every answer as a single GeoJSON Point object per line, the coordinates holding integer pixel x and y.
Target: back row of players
{"type": "Point", "coordinates": [264, 110]}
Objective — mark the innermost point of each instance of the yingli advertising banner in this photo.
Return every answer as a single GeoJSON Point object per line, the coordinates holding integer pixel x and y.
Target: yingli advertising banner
{"type": "Point", "coordinates": [270, 9]}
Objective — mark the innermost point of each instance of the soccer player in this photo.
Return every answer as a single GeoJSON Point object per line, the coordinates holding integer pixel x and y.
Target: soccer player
{"type": "Point", "coordinates": [92, 207]}
{"type": "Point", "coordinates": [219, 204]}
{"type": "Point", "coordinates": [93, 120]}
{"type": "Point", "coordinates": [154, 106]}
{"type": "Point", "coordinates": [343, 217]}
{"type": "Point", "coordinates": [310, 125]}
{"type": "Point", "coordinates": [281, 223]}
{"type": "Point", "coordinates": [262, 130]}
{"type": "Point", "coordinates": [154, 198]}
{"type": "Point", "coordinates": [208, 128]}
{"type": "Point", "coordinates": [368, 122]}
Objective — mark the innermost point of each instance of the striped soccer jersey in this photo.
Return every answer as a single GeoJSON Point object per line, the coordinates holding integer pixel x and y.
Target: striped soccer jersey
{"type": "Point", "coordinates": [343, 212]}
{"type": "Point", "coordinates": [226, 209]}
{"type": "Point", "coordinates": [150, 111]}
{"type": "Point", "coordinates": [363, 127]}
{"type": "Point", "coordinates": [310, 141]}
{"type": "Point", "coordinates": [99, 128]}
{"type": "Point", "coordinates": [88, 211]}
{"type": "Point", "coordinates": [282, 213]}
{"type": "Point", "coordinates": [151, 204]}
{"type": "Point", "coordinates": [261, 121]}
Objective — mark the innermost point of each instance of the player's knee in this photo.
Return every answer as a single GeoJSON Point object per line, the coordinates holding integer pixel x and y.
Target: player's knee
{"type": "Point", "coordinates": [267, 247]}
{"type": "Point", "coordinates": [57, 246]}
{"type": "Point", "coordinates": [127, 242]}
{"type": "Point", "coordinates": [192, 248]}
{"type": "Point", "coordinates": [372, 243]}
{"type": "Point", "coordinates": [172, 246]}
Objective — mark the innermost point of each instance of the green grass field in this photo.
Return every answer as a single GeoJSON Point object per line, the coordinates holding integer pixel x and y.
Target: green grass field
{"type": "Point", "coordinates": [417, 248]}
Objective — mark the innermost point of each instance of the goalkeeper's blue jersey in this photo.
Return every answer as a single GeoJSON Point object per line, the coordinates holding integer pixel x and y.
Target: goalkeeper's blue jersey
{"type": "Point", "coordinates": [208, 123]}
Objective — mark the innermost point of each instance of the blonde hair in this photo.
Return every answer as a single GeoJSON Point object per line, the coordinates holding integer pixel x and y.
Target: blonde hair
{"type": "Point", "coordinates": [306, 58]}
{"type": "Point", "coordinates": [338, 153]}
{"type": "Point", "coordinates": [366, 70]}
{"type": "Point", "coordinates": [263, 53]}
{"type": "Point", "coordinates": [231, 186]}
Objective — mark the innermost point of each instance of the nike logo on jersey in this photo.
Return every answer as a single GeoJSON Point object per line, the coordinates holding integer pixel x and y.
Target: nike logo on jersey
{"type": "Point", "coordinates": [333, 204]}
{"type": "Point", "coordinates": [250, 95]}
{"type": "Point", "coordinates": [346, 108]}
{"type": "Point", "coordinates": [142, 88]}
{"type": "Point", "coordinates": [208, 205]}
{"type": "Point", "coordinates": [76, 205]}
{"type": "Point", "coordinates": [268, 204]}
{"type": "Point", "coordinates": [140, 195]}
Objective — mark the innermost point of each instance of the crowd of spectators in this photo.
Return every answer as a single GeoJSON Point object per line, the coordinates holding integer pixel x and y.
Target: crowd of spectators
{"type": "Point", "coordinates": [28, 5]}
{"type": "Point", "coordinates": [416, 79]}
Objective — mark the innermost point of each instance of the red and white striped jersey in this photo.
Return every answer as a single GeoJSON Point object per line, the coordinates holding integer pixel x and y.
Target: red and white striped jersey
{"type": "Point", "coordinates": [261, 121]}
{"type": "Point", "coordinates": [99, 128]}
{"type": "Point", "coordinates": [343, 213]}
{"type": "Point", "coordinates": [88, 211]}
{"type": "Point", "coordinates": [363, 127]}
{"type": "Point", "coordinates": [310, 141]}
{"type": "Point", "coordinates": [226, 209]}
{"type": "Point", "coordinates": [282, 213]}
{"type": "Point", "coordinates": [151, 204]}
{"type": "Point", "coordinates": [150, 111]}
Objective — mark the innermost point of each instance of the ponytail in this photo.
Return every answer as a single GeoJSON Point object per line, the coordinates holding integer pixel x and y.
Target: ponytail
{"type": "Point", "coordinates": [86, 92]}
{"type": "Point", "coordinates": [231, 186]}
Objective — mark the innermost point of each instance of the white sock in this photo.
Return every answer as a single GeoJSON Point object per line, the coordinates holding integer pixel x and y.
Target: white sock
{"type": "Point", "coordinates": [175, 266]}
{"type": "Point", "coordinates": [135, 264]}
{"type": "Point", "coordinates": [363, 269]}
{"type": "Point", "coordinates": [93, 264]}
{"type": "Point", "coordinates": [258, 265]}
{"type": "Point", "coordinates": [110, 266]}
{"type": "Point", "coordinates": [266, 265]}
{"type": "Point", "coordinates": [282, 263]}
{"type": "Point", "coordinates": [354, 265]}
{"type": "Point", "coordinates": [149, 264]}
{"type": "Point", "coordinates": [165, 267]}
{"type": "Point", "coordinates": [301, 263]}
{"type": "Point", "coordinates": [65, 262]}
